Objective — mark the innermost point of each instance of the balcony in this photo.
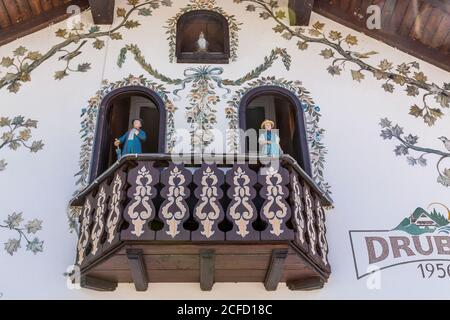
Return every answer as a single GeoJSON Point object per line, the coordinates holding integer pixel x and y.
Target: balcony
{"type": "Point", "coordinates": [149, 219]}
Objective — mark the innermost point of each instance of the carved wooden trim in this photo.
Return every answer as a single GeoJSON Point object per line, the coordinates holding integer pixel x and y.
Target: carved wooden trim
{"type": "Point", "coordinates": [297, 207]}
{"type": "Point", "coordinates": [174, 211]}
{"type": "Point", "coordinates": [321, 235]}
{"type": "Point", "coordinates": [208, 212]}
{"type": "Point", "coordinates": [98, 223]}
{"type": "Point", "coordinates": [242, 211]}
{"type": "Point", "coordinates": [85, 223]}
{"type": "Point", "coordinates": [115, 217]}
{"type": "Point", "coordinates": [310, 222]}
{"type": "Point", "coordinates": [275, 209]}
{"type": "Point", "coordinates": [140, 211]}
{"type": "Point", "coordinates": [275, 270]}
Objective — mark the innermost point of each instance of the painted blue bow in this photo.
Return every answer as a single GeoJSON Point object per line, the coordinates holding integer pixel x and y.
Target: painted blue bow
{"type": "Point", "coordinates": [206, 73]}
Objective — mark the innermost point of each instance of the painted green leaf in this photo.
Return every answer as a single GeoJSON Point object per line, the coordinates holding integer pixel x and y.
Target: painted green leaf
{"type": "Point", "coordinates": [130, 24]}
{"type": "Point", "coordinates": [145, 12]}
{"type": "Point", "coordinates": [61, 33]}
{"type": "Point", "coordinates": [415, 111]}
{"type": "Point", "coordinates": [351, 40]}
{"type": "Point", "coordinates": [7, 62]}
{"type": "Point", "coordinates": [34, 55]}
{"type": "Point", "coordinates": [116, 36]}
{"type": "Point", "coordinates": [357, 75]}
{"type": "Point", "coordinates": [20, 51]}
{"type": "Point", "coordinates": [327, 53]}
{"type": "Point", "coordinates": [121, 12]}
{"type": "Point", "coordinates": [98, 44]}
{"type": "Point", "coordinates": [412, 91]}
{"type": "Point", "coordinates": [278, 28]}
{"type": "Point", "coordinates": [84, 67]}
{"type": "Point", "coordinates": [59, 75]}
{"type": "Point", "coordinates": [280, 14]}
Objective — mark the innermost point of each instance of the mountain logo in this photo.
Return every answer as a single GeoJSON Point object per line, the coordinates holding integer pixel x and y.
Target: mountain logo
{"type": "Point", "coordinates": [421, 222]}
{"type": "Point", "coordinates": [423, 235]}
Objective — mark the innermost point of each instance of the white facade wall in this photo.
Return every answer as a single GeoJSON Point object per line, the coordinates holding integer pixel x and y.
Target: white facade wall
{"type": "Point", "coordinates": [372, 188]}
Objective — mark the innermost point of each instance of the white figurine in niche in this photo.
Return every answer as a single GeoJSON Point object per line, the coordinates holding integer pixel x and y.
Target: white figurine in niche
{"type": "Point", "coordinates": [202, 43]}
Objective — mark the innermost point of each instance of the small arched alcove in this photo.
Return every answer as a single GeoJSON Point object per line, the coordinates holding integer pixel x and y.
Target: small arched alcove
{"type": "Point", "coordinates": [210, 26]}
{"type": "Point", "coordinates": [116, 113]}
{"type": "Point", "coordinates": [285, 109]}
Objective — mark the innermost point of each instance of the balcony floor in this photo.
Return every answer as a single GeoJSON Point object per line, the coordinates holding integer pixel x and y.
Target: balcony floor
{"type": "Point", "coordinates": [162, 262]}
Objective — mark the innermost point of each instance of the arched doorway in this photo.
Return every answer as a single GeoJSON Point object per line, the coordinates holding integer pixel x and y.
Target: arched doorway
{"type": "Point", "coordinates": [284, 108]}
{"type": "Point", "coordinates": [115, 116]}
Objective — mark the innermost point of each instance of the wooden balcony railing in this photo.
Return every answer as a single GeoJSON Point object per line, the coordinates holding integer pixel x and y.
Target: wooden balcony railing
{"type": "Point", "coordinates": [149, 210]}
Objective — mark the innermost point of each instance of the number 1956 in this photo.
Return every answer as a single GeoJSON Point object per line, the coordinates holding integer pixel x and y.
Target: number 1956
{"type": "Point", "coordinates": [439, 270]}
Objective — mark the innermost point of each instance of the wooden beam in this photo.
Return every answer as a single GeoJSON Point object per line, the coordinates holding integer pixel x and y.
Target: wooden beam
{"type": "Point", "coordinates": [395, 39]}
{"type": "Point", "coordinates": [16, 31]}
{"type": "Point", "coordinates": [308, 284]}
{"type": "Point", "coordinates": [97, 284]}
{"type": "Point", "coordinates": [102, 11]}
{"type": "Point", "coordinates": [275, 270]}
{"type": "Point", "coordinates": [300, 12]}
{"type": "Point", "coordinates": [207, 257]}
{"type": "Point", "coordinates": [137, 268]}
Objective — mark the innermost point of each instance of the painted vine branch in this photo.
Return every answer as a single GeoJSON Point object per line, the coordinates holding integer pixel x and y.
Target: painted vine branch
{"type": "Point", "coordinates": [17, 133]}
{"type": "Point", "coordinates": [409, 142]}
{"type": "Point", "coordinates": [23, 62]}
{"type": "Point", "coordinates": [14, 223]}
{"type": "Point", "coordinates": [384, 71]}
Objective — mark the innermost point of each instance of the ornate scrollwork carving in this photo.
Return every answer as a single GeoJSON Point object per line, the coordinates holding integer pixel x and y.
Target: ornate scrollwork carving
{"type": "Point", "coordinates": [323, 244]}
{"type": "Point", "coordinates": [208, 211]}
{"type": "Point", "coordinates": [114, 218]}
{"type": "Point", "coordinates": [85, 222]}
{"type": "Point", "coordinates": [275, 209]}
{"type": "Point", "coordinates": [175, 210]}
{"type": "Point", "coordinates": [99, 219]}
{"type": "Point", "coordinates": [311, 231]}
{"type": "Point", "coordinates": [141, 211]}
{"type": "Point", "coordinates": [297, 212]}
{"type": "Point", "coordinates": [241, 211]}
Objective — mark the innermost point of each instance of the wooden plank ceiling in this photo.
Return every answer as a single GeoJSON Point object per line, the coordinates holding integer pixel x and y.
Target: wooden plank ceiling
{"type": "Point", "coordinates": [22, 17]}
{"type": "Point", "coordinates": [418, 27]}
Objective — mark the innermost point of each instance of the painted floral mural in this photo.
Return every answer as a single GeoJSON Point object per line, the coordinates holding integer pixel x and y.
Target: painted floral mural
{"type": "Point", "coordinates": [19, 66]}
{"type": "Point", "coordinates": [339, 49]}
{"type": "Point", "coordinates": [16, 133]}
{"type": "Point", "coordinates": [416, 155]}
{"type": "Point", "coordinates": [21, 233]}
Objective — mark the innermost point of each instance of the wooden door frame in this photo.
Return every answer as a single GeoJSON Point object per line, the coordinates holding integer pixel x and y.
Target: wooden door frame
{"type": "Point", "coordinates": [103, 111]}
{"type": "Point", "coordinates": [302, 145]}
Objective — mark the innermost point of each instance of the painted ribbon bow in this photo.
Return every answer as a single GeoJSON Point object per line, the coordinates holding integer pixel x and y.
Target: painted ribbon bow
{"type": "Point", "coordinates": [206, 73]}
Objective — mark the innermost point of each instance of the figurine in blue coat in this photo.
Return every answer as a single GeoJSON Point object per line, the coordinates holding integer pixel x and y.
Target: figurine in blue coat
{"type": "Point", "coordinates": [131, 140]}
{"type": "Point", "coordinates": [269, 140]}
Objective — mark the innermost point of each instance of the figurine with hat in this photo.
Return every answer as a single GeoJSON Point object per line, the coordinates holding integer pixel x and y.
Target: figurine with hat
{"type": "Point", "coordinates": [269, 140]}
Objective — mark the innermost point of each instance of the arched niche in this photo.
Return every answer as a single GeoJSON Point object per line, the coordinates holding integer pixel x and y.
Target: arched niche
{"type": "Point", "coordinates": [115, 115]}
{"type": "Point", "coordinates": [285, 109]}
{"type": "Point", "coordinates": [216, 30]}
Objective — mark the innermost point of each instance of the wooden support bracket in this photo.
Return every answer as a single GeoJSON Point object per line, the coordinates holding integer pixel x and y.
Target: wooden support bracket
{"type": "Point", "coordinates": [207, 259]}
{"type": "Point", "coordinates": [275, 270]}
{"type": "Point", "coordinates": [97, 284]}
{"type": "Point", "coordinates": [308, 284]}
{"type": "Point", "coordinates": [137, 268]}
{"type": "Point", "coordinates": [300, 12]}
{"type": "Point", "coordinates": [102, 11]}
